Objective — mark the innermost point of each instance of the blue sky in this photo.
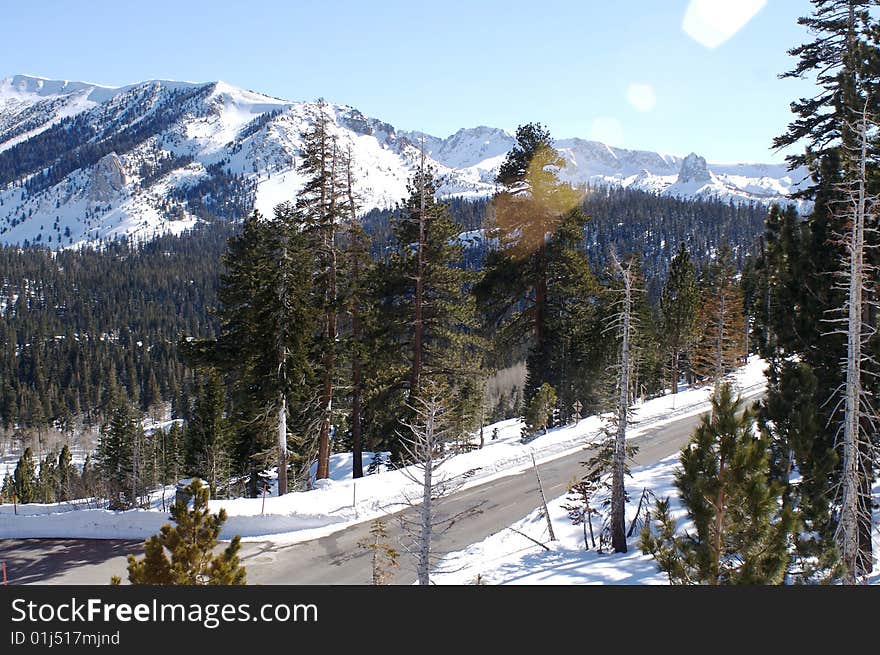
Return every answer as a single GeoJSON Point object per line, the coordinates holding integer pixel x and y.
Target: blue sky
{"type": "Point", "coordinates": [438, 66]}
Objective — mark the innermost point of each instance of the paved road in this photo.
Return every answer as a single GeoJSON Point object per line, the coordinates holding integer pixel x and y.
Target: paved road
{"type": "Point", "coordinates": [337, 559]}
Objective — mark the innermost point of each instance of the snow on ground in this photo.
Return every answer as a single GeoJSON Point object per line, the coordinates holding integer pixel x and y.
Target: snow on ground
{"type": "Point", "coordinates": [510, 558]}
{"type": "Point", "coordinates": [507, 557]}
{"type": "Point", "coordinates": [874, 578]}
{"type": "Point", "coordinates": [341, 501]}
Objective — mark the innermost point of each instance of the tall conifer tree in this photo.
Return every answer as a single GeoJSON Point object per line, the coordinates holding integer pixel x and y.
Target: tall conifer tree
{"type": "Point", "coordinates": [538, 284]}
{"type": "Point", "coordinates": [678, 307]}
{"type": "Point", "coordinates": [426, 316]}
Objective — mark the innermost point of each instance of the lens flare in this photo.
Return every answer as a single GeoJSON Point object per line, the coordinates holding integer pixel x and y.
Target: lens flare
{"type": "Point", "coordinates": [641, 96]}
{"type": "Point", "coordinates": [712, 22]}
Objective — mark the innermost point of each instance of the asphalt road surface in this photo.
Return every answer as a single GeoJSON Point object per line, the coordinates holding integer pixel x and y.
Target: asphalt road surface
{"type": "Point", "coordinates": [337, 559]}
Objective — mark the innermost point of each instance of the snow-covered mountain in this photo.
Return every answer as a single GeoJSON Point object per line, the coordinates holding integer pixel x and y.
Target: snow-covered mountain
{"type": "Point", "coordinates": [81, 162]}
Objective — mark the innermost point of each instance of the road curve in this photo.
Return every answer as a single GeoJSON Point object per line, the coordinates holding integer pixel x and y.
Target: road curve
{"type": "Point", "coordinates": [337, 559]}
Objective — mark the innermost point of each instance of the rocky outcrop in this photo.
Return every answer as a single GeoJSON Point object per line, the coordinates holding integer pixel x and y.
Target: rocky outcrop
{"type": "Point", "coordinates": [107, 181]}
{"type": "Point", "coordinates": [694, 169]}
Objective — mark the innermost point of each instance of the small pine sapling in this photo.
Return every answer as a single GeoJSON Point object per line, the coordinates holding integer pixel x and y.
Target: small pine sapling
{"type": "Point", "coordinates": [385, 558]}
{"type": "Point", "coordinates": [539, 411]}
{"type": "Point", "coordinates": [191, 543]}
{"type": "Point", "coordinates": [579, 507]}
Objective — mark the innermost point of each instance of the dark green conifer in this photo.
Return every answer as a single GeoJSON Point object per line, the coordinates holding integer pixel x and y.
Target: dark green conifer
{"type": "Point", "coordinates": [190, 544]}
{"type": "Point", "coordinates": [119, 456]}
{"type": "Point", "coordinates": [538, 286]}
{"type": "Point", "coordinates": [207, 436]}
{"type": "Point", "coordinates": [678, 308]}
{"type": "Point", "coordinates": [66, 475]}
{"type": "Point", "coordinates": [24, 479]}
{"type": "Point", "coordinates": [425, 323]}
{"type": "Point", "coordinates": [742, 531]}
{"type": "Point", "coordinates": [539, 413]}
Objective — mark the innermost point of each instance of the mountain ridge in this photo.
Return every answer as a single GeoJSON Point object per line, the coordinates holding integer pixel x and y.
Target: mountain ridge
{"type": "Point", "coordinates": [82, 162]}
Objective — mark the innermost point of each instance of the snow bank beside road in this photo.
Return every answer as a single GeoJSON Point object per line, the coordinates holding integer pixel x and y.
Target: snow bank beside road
{"type": "Point", "coordinates": [510, 558]}
{"type": "Point", "coordinates": [341, 501]}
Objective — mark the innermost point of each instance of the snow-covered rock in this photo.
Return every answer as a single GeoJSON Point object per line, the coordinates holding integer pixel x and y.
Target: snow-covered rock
{"type": "Point", "coordinates": [694, 169]}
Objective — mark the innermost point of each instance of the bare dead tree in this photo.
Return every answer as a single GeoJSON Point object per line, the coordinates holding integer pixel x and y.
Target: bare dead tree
{"type": "Point", "coordinates": [543, 500]}
{"type": "Point", "coordinates": [623, 323]}
{"type": "Point", "coordinates": [426, 453]}
{"type": "Point", "coordinates": [855, 277]}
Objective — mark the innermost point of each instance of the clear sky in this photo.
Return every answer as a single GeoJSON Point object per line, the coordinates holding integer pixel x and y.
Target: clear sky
{"type": "Point", "coordinates": [633, 73]}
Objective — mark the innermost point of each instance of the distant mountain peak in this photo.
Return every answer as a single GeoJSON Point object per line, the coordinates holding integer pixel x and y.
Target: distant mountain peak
{"type": "Point", "coordinates": [694, 169]}
{"type": "Point", "coordinates": [161, 155]}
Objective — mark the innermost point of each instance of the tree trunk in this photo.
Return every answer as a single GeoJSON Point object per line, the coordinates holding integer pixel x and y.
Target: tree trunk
{"type": "Point", "coordinates": [719, 354]}
{"type": "Point", "coordinates": [418, 318]}
{"type": "Point", "coordinates": [718, 537]}
{"type": "Point", "coordinates": [850, 515]}
{"type": "Point", "coordinates": [329, 358]}
{"type": "Point", "coordinates": [618, 491]}
{"type": "Point", "coordinates": [424, 546]}
{"type": "Point", "coordinates": [675, 355]}
{"type": "Point", "coordinates": [282, 445]}
{"type": "Point", "coordinates": [329, 355]}
{"type": "Point", "coordinates": [866, 554]}
{"type": "Point", "coordinates": [356, 383]}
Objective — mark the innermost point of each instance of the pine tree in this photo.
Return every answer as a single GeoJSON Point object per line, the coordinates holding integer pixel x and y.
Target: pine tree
{"type": "Point", "coordinates": [539, 226]}
{"type": "Point", "coordinates": [678, 308]}
{"type": "Point", "coordinates": [579, 505]}
{"type": "Point", "coordinates": [24, 479]}
{"type": "Point", "coordinates": [741, 534]}
{"type": "Point", "coordinates": [172, 454]}
{"type": "Point", "coordinates": [721, 347]}
{"type": "Point", "coordinates": [117, 455]}
{"type": "Point", "coordinates": [65, 475]}
{"type": "Point", "coordinates": [646, 349]}
{"type": "Point", "coordinates": [845, 58]}
{"type": "Point", "coordinates": [263, 349]}
{"type": "Point", "coordinates": [190, 543]}
{"type": "Point", "coordinates": [6, 490]}
{"type": "Point", "coordinates": [360, 308]}
{"type": "Point", "coordinates": [47, 481]}
{"type": "Point", "coordinates": [207, 436]}
{"type": "Point", "coordinates": [539, 413]}
{"type": "Point", "coordinates": [573, 354]}
{"type": "Point", "coordinates": [384, 557]}
{"type": "Point", "coordinates": [321, 206]}
{"type": "Point", "coordinates": [425, 323]}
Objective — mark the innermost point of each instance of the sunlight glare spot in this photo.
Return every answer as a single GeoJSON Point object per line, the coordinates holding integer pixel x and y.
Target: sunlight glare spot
{"type": "Point", "coordinates": [712, 22]}
{"type": "Point", "coordinates": [641, 96]}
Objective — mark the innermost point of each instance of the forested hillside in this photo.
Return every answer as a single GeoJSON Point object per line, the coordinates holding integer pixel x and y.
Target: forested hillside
{"type": "Point", "coordinates": [75, 325]}
{"type": "Point", "coordinates": [71, 321]}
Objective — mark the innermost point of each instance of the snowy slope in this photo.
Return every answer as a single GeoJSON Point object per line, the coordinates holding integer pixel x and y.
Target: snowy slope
{"type": "Point", "coordinates": [30, 105]}
{"type": "Point", "coordinates": [81, 162]}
